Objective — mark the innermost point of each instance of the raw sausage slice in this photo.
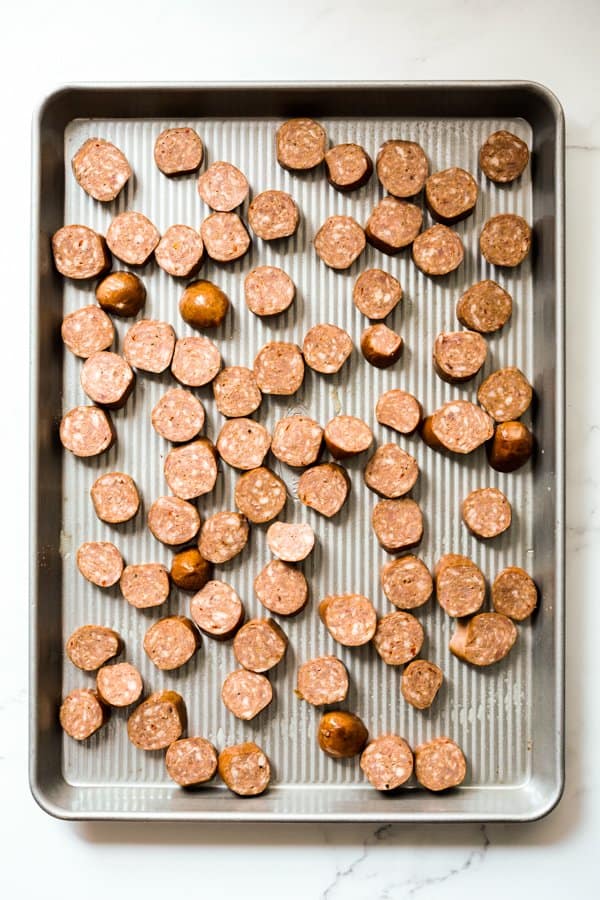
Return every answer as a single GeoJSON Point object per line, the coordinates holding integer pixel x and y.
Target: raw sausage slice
{"type": "Point", "coordinates": [406, 582]}
{"type": "Point", "coordinates": [486, 512]}
{"type": "Point", "coordinates": [243, 443]}
{"type": "Point", "coordinates": [119, 685]}
{"type": "Point", "coordinates": [246, 694]}
{"type": "Point", "coordinates": [398, 524]}
{"type": "Point", "coordinates": [121, 294]}
{"type": "Point", "coordinates": [179, 251]}
{"type": "Point", "coordinates": [348, 166]}
{"type": "Point", "coordinates": [107, 379]}
{"type": "Point", "coordinates": [281, 588]}
{"type": "Point", "coordinates": [273, 215]}
{"type": "Point", "coordinates": [297, 441]}
{"type": "Point", "coordinates": [458, 426]}
{"type": "Point", "coordinates": [86, 431]}
{"type": "Point", "coordinates": [217, 610]}
{"type": "Point", "coordinates": [291, 543]}
{"type": "Point", "coordinates": [458, 355]}
{"type": "Point", "coordinates": [324, 488]}
{"type": "Point", "coordinates": [171, 642]}
{"type": "Point", "coordinates": [421, 680]}
{"type": "Point", "coordinates": [398, 638]}
{"type": "Point", "coordinates": [245, 769]}
{"type": "Point", "coordinates": [459, 585]}
{"type": "Point", "coordinates": [438, 251]}
{"type": "Point", "coordinates": [259, 645]}
{"type": "Point", "coordinates": [79, 252]}
{"type": "Point", "coordinates": [402, 168]}
{"type": "Point", "coordinates": [100, 562]}
{"type": "Point", "coordinates": [376, 293]}
{"type": "Point", "coordinates": [505, 394]}
{"type": "Point", "coordinates": [236, 392]}
{"type": "Point", "coordinates": [178, 416]}
{"type": "Point", "coordinates": [347, 436]}
{"type": "Point", "coordinates": [279, 368]}
{"type": "Point", "coordinates": [90, 646]}
{"type": "Point", "coordinates": [484, 639]}
{"type": "Point", "coordinates": [115, 497]}
{"type": "Point", "coordinates": [399, 410]}
{"type": "Point", "coordinates": [514, 593]}
{"type": "Point", "coordinates": [225, 236]}
{"type": "Point", "coordinates": [145, 585]}
{"type": "Point", "coordinates": [101, 169]}
{"type": "Point", "coordinates": [196, 361]}
{"type": "Point", "coordinates": [440, 764]}
{"type": "Point", "coordinates": [391, 472]}
{"type": "Point", "coordinates": [173, 521]}
{"type": "Point", "coordinates": [189, 570]}
{"type": "Point", "coordinates": [260, 495]}
{"type": "Point", "coordinates": [191, 470]}
{"type": "Point", "coordinates": [350, 619]}
{"type": "Point", "coordinates": [223, 187]}
{"type": "Point", "coordinates": [503, 157]}
{"type": "Point", "coordinates": [341, 734]}
{"type": "Point", "coordinates": [191, 761]}
{"type": "Point", "coordinates": [157, 722]}
{"type": "Point", "coordinates": [132, 238]}
{"type": "Point", "coordinates": [339, 241]}
{"type": "Point", "coordinates": [149, 345]}
{"type": "Point", "coordinates": [451, 195]}
{"type": "Point", "coordinates": [301, 144]}
{"type": "Point", "coordinates": [393, 224]}
{"type": "Point", "coordinates": [387, 762]}
{"type": "Point", "coordinates": [511, 447]}
{"type": "Point", "coordinates": [223, 536]}
{"type": "Point", "coordinates": [505, 240]}
{"type": "Point", "coordinates": [87, 331]}
{"type": "Point", "coordinates": [484, 307]}
{"type": "Point", "coordinates": [326, 348]}
{"type": "Point", "coordinates": [323, 680]}
{"type": "Point", "coordinates": [81, 714]}
{"type": "Point", "coordinates": [381, 346]}
{"type": "Point", "coordinates": [178, 151]}
{"type": "Point", "coordinates": [268, 291]}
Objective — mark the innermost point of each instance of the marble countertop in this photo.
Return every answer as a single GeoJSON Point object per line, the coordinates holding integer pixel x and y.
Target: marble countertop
{"type": "Point", "coordinates": [44, 45]}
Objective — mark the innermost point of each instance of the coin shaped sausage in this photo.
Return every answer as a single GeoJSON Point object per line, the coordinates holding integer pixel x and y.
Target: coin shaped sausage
{"type": "Point", "coordinates": [217, 610]}
{"type": "Point", "coordinates": [86, 431]}
{"type": "Point", "coordinates": [339, 241]}
{"type": "Point", "coordinates": [281, 588]}
{"type": "Point", "coordinates": [171, 642]}
{"type": "Point", "coordinates": [393, 224]}
{"type": "Point", "coordinates": [387, 762]}
{"type": "Point", "coordinates": [391, 471]}
{"type": "Point", "coordinates": [324, 488]}
{"type": "Point", "coordinates": [259, 645]}
{"type": "Point", "coordinates": [451, 195]}
{"type": "Point", "coordinates": [440, 764]}
{"type": "Point", "coordinates": [260, 495]}
{"type": "Point", "coordinates": [381, 346]}
{"type": "Point", "coordinates": [243, 443]}
{"type": "Point", "coordinates": [438, 251]}
{"type": "Point", "coordinates": [376, 293]}
{"type": "Point", "coordinates": [81, 714]}
{"type": "Point", "coordinates": [225, 236]}
{"type": "Point", "coordinates": [145, 585]}
{"type": "Point", "coordinates": [149, 345]}
{"type": "Point", "coordinates": [191, 469]}
{"type": "Point", "coordinates": [223, 536]}
{"type": "Point", "coordinates": [323, 680]}
{"type": "Point", "coordinates": [290, 542]}
{"type": "Point", "coordinates": [79, 252]}
{"type": "Point", "coordinates": [119, 685]}
{"type": "Point", "coordinates": [459, 585]}
{"type": "Point", "coordinates": [246, 694]}
{"type": "Point", "coordinates": [178, 151]}
{"type": "Point", "coordinates": [178, 416]}
{"type": "Point", "coordinates": [273, 215]}
{"type": "Point", "coordinates": [484, 307]}
{"type": "Point", "coordinates": [486, 512]}
{"type": "Point", "coordinates": [347, 436]}
{"type": "Point", "coordinates": [191, 761]}
{"type": "Point", "coordinates": [505, 240]}
{"type": "Point", "coordinates": [458, 426]}
{"type": "Point", "coordinates": [173, 521]}
{"type": "Point", "coordinates": [157, 722]}
{"type": "Point", "coordinates": [459, 355]}
{"type": "Point", "coordinates": [398, 638]}
{"type": "Point", "coordinates": [107, 379]}
{"type": "Point", "coordinates": [196, 361]}
{"type": "Point", "coordinates": [90, 646]}
{"type": "Point", "coordinates": [326, 348]}
{"type": "Point", "coordinates": [268, 291]}
{"type": "Point", "coordinates": [398, 524]}
{"type": "Point", "coordinates": [484, 639]}
{"type": "Point", "coordinates": [421, 680]}
{"type": "Point", "coordinates": [179, 251]}
{"type": "Point", "coordinates": [399, 410]}
{"type": "Point", "coordinates": [402, 168]}
{"type": "Point", "coordinates": [406, 582]}
{"type": "Point", "coordinates": [245, 769]}
{"type": "Point", "coordinates": [279, 368]}
{"type": "Point", "coordinates": [132, 238]}
{"type": "Point", "coordinates": [505, 394]}
{"type": "Point", "coordinates": [101, 169]}
{"type": "Point", "coordinates": [297, 441]}
{"type": "Point", "coordinates": [236, 392]}
{"type": "Point", "coordinates": [100, 563]}
{"type": "Point", "coordinates": [223, 187]}
{"type": "Point", "coordinates": [350, 619]}
{"type": "Point", "coordinates": [301, 144]}
{"type": "Point", "coordinates": [514, 593]}
{"type": "Point", "coordinates": [87, 331]}
{"type": "Point", "coordinates": [342, 734]}
{"type": "Point", "coordinates": [503, 156]}
{"type": "Point", "coordinates": [348, 166]}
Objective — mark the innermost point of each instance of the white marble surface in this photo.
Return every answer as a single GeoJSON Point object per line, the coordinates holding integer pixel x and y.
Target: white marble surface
{"type": "Point", "coordinates": [45, 44]}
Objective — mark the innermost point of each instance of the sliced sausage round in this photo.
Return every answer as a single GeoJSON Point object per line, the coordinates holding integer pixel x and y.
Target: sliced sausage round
{"type": "Point", "coordinates": [393, 224]}
{"type": "Point", "coordinates": [503, 156]}
{"type": "Point", "coordinates": [268, 290]}
{"type": "Point", "coordinates": [459, 585]}
{"type": "Point", "coordinates": [243, 443]}
{"type": "Point", "coordinates": [281, 588]}
{"type": "Point", "coordinates": [406, 582]}
{"type": "Point", "coordinates": [223, 536]}
{"type": "Point", "coordinates": [458, 426]}
{"type": "Point", "coordinates": [348, 166]}
{"type": "Point", "coordinates": [236, 392]}
{"type": "Point", "coordinates": [376, 293]}
{"type": "Point", "coordinates": [225, 236]}
{"type": "Point", "coordinates": [196, 361]}
{"type": "Point", "coordinates": [440, 764]}
{"type": "Point", "coordinates": [381, 346]}
{"type": "Point", "coordinates": [79, 252]}
{"type": "Point", "coordinates": [350, 619]}
{"type": "Point", "coordinates": [511, 446]}
{"type": "Point", "coordinates": [100, 562]}
{"type": "Point", "coordinates": [387, 762]}
{"type": "Point", "coordinates": [505, 240]}
{"type": "Point", "coordinates": [259, 645]}
{"type": "Point", "coordinates": [324, 488]}
{"type": "Point", "coordinates": [399, 410]}
{"type": "Point", "coordinates": [484, 307]}
{"type": "Point", "coordinates": [149, 345]}
{"type": "Point", "coordinates": [279, 368]}
{"type": "Point", "coordinates": [179, 251]}
{"type": "Point", "coordinates": [178, 416]}
{"type": "Point", "coordinates": [301, 144]}
{"type": "Point", "coordinates": [297, 441]}
{"type": "Point", "coordinates": [290, 542]}
{"type": "Point", "coordinates": [171, 642]}
{"type": "Point", "coordinates": [323, 680]}
{"type": "Point", "coordinates": [438, 251]}
{"type": "Point", "coordinates": [245, 769]}
{"type": "Point", "coordinates": [505, 394]}
{"type": "Point", "coordinates": [391, 472]}
{"type": "Point", "coordinates": [398, 638]}
{"type": "Point", "coordinates": [347, 436]}
{"type": "Point", "coordinates": [260, 495]}
{"type": "Point", "coordinates": [101, 169]}
{"type": "Point", "coordinates": [398, 524]}
{"type": "Point", "coordinates": [484, 639]}
{"type": "Point", "coordinates": [514, 593]}
{"type": "Point", "coordinates": [178, 151]}
{"type": "Point", "coordinates": [107, 379]}
{"type": "Point", "coordinates": [81, 714]}
{"type": "Point", "coordinates": [191, 761]}
{"type": "Point", "coordinates": [326, 348]}
{"type": "Point", "coordinates": [191, 470]}
{"type": "Point", "coordinates": [173, 521]}
{"type": "Point", "coordinates": [87, 331]}
{"type": "Point", "coordinates": [459, 355]}
{"type": "Point", "coordinates": [203, 304]}
{"type": "Point", "coordinates": [339, 241]}
{"type": "Point", "coordinates": [90, 646]}
{"type": "Point", "coordinates": [121, 294]}
{"type": "Point", "coordinates": [115, 497]}
{"type": "Point", "coordinates": [223, 187]}
{"type": "Point", "coordinates": [189, 570]}
{"type": "Point", "coordinates": [132, 238]}
{"type": "Point", "coordinates": [157, 722]}
{"type": "Point", "coordinates": [119, 685]}
{"type": "Point", "coordinates": [86, 431]}
{"type": "Point", "coordinates": [273, 215]}
{"type": "Point", "coordinates": [342, 734]}
{"type": "Point", "coordinates": [402, 168]}
{"type": "Point", "coordinates": [421, 680]}
{"type": "Point", "coordinates": [246, 694]}
{"type": "Point", "coordinates": [486, 512]}
{"type": "Point", "coordinates": [217, 610]}
{"type": "Point", "coordinates": [451, 195]}
{"type": "Point", "coordinates": [145, 585]}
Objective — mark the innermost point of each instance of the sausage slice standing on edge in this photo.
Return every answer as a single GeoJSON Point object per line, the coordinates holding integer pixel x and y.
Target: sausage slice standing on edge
{"type": "Point", "coordinates": [342, 734]}
{"type": "Point", "coordinates": [398, 524]}
{"type": "Point", "coordinates": [348, 166]}
{"type": "Point", "coordinates": [421, 680]}
{"type": "Point", "coordinates": [268, 291]}
{"type": "Point", "coordinates": [132, 238]}
{"type": "Point", "coordinates": [459, 585]}
{"type": "Point", "coordinates": [290, 542]}
{"type": "Point", "coordinates": [486, 512]}
{"type": "Point", "coordinates": [391, 472]}
{"type": "Point", "coordinates": [402, 168]}
{"type": "Point", "coordinates": [203, 304]}
{"type": "Point", "coordinates": [279, 368]}
{"type": "Point", "coordinates": [119, 685]}
{"type": "Point", "coordinates": [79, 252]}
{"type": "Point", "coordinates": [178, 416]}
{"type": "Point", "coordinates": [301, 144]}
{"type": "Point", "coordinates": [90, 646]}
{"type": "Point", "coordinates": [398, 638]}
{"type": "Point", "coordinates": [376, 293]}
{"type": "Point", "coordinates": [326, 348]}
{"type": "Point", "coordinates": [171, 642]}
{"type": "Point", "coordinates": [101, 169]}
{"type": "Point", "coordinates": [297, 441]}
{"type": "Point", "coordinates": [107, 379]}
{"type": "Point", "coordinates": [510, 447]}
{"type": "Point", "coordinates": [381, 346]}
{"type": "Point", "coordinates": [196, 361]}
{"type": "Point", "coordinates": [459, 355]}
{"type": "Point", "coordinates": [505, 240]}
{"type": "Point", "coordinates": [81, 714]}
{"type": "Point", "coordinates": [505, 394]}
{"type": "Point", "coordinates": [260, 495]}
{"type": "Point", "coordinates": [217, 610]}
{"type": "Point", "coordinates": [223, 536]}
{"type": "Point", "coordinates": [503, 156]}
{"type": "Point", "coordinates": [173, 521]}
{"type": "Point", "coordinates": [191, 469]}
{"type": "Point", "coordinates": [458, 426]}
{"type": "Point", "coordinates": [158, 721]}
{"type": "Point", "coordinates": [323, 680]}
{"type": "Point", "coordinates": [243, 443]}
{"type": "Point", "coordinates": [387, 762]}
{"type": "Point", "coordinates": [484, 639]}
{"type": "Point", "coordinates": [178, 151]}
{"type": "Point", "coordinates": [87, 331]}
{"type": "Point", "coordinates": [514, 593]}
{"type": "Point", "coordinates": [281, 588]}
{"type": "Point", "coordinates": [440, 764]}
{"type": "Point", "coordinates": [121, 294]}
{"type": "Point", "coordinates": [259, 645]}
{"type": "Point", "coordinates": [399, 410]}
{"type": "Point", "coordinates": [145, 585]}
{"type": "Point", "coordinates": [406, 582]}
{"type": "Point", "coordinates": [236, 392]}
{"type": "Point", "coordinates": [273, 215]}
{"type": "Point", "coordinates": [100, 562]}
{"type": "Point", "coordinates": [350, 619]}
{"type": "Point", "coordinates": [246, 694]}
{"type": "Point", "coordinates": [115, 497]}
{"type": "Point", "coordinates": [189, 570]}
{"type": "Point", "coordinates": [324, 488]}
{"type": "Point", "coordinates": [86, 431]}
{"type": "Point", "coordinates": [393, 224]}
{"type": "Point", "coordinates": [223, 187]}
{"type": "Point", "coordinates": [438, 251]}
{"type": "Point", "coordinates": [485, 307]}
{"type": "Point", "coordinates": [451, 195]}
{"type": "Point", "coordinates": [225, 236]}
{"type": "Point", "coordinates": [179, 251]}
{"type": "Point", "coordinates": [149, 345]}
{"type": "Point", "coordinates": [245, 769]}
{"type": "Point", "coordinates": [191, 761]}
{"type": "Point", "coordinates": [347, 436]}
{"type": "Point", "coordinates": [339, 241]}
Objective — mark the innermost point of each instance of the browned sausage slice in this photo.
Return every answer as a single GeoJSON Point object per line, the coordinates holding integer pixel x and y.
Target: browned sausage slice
{"type": "Point", "coordinates": [119, 685]}
{"type": "Point", "coordinates": [236, 392]}
{"type": "Point", "coordinates": [145, 585]}
{"type": "Point", "coordinates": [505, 394]}
{"type": "Point", "coordinates": [486, 512]}
{"type": "Point", "coordinates": [191, 470]}
{"type": "Point", "coordinates": [348, 166]}
{"type": "Point", "coordinates": [179, 251]}
{"type": "Point", "coordinates": [268, 291]}
{"type": "Point", "coordinates": [178, 416]}
{"type": "Point", "coordinates": [421, 680]}
{"type": "Point", "coordinates": [132, 238]}
{"type": "Point", "coordinates": [245, 769]}
{"type": "Point", "coordinates": [339, 241]}
{"type": "Point", "coordinates": [223, 536]}
{"type": "Point", "coordinates": [157, 722]}
{"type": "Point", "coordinates": [324, 488]}
{"type": "Point", "coordinates": [81, 714]}
{"type": "Point", "coordinates": [79, 252]}
{"type": "Point", "coordinates": [297, 441]}
{"type": "Point", "coordinates": [196, 361]}
{"type": "Point", "coordinates": [391, 472]}
{"type": "Point", "coordinates": [149, 345]}
{"type": "Point", "coordinates": [376, 293]}
{"type": "Point", "coordinates": [281, 588]}
{"type": "Point", "coordinates": [402, 168]}
{"type": "Point", "coordinates": [90, 646]}
{"type": "Point", "coordinates": [438, 251]}
{"type": "Point", "coordinates": [484, 307]}
{"type": "Point", "coordinates": [101, 169]}
{"type": "Point", "coordinates": [459, 585]}
{"type": "Point", "coordinates": [243, 443]}
{"type": "Point", "coordinates": [86, 431]}
{"type": "Point", "coordinates": [484, 639]}
{"type": "Point", "coordinates": [505, 240]}
{"type": "Point", "coordinates": [342, 734]}
{"type": "Point", "coordinates": [217, 610]}
{"type": "Point", "coordinates": [189, 570]}
{"type": "Point", "coordinates": [514, 593]}
{"type": "Point", "coordinates": [511, 447]}
{"type": "Point", "coordinates": [326, 348]}
{"type": "Point", "coordinates": [381, 346]}
{"type": "Point", "coordinates": [459, 355]}
{"type": "Point", "coordinates": [350, 619]}
{"type": "Point", "coordinates": [100, 562]}
{"type": "Point", "coordinates": [171, 642]}
{"type": "Point", "coordinates": [347, 436]}
{"type": "Point", "coordinates": [115, 497]}
{"type": "Point", "coordinates": [458, 426]}
{"type": "Point", "coordinates": [398, 638]}
{"type": "Point", "coordinates": [259, 645]}
{"type": "Point", "coordinates": [223, 187]}
{"type": "Point", "coordinates": [191, 761]}
{"type": "Point", "coordinates": [246, 694]}
{"type": "Point", "coordinates": [225, 236]}
{"type": "Point", "coordinates": [387, 762]}
{"type": "Point", "coordinates": [323, 680]}
{"type": "Point", "coordinates": [301, 144]}
{"type": "Point", "coordinates": [290, 542]}
{"type": "Point", "coordinates": [260, 495]}
{"type": "Point", "coordinates": [87, 331]}
{"type": "Point", "coordinates": [399, 410]}
{"type": "Point", "coordinates": [107, 379]}
{"type": "Point", "coordinates": [406, 582]}
{"type": "Point", "coordinates": [273, 215]}
{"type": "Point", "coordinates": [178, 150]}
{"type": "Point", "coordinates": [503, 156]}
{"type": "Point", "coordinates": [451, 195]}
{"type": "Point", "coordinates": [440, 764]}
{"type": "Point", "coordinates": [279, 368]}
{"type": "Point", "coordinates": [398, 524]}
{"type": "Point", "coordinates": [393, 224]}
{"type": "Point", "coordinates": [173, 521]}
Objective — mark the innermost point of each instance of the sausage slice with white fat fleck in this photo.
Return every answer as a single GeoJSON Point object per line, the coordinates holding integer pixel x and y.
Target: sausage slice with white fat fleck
{"type": "Point", "coordinates": [281, 588]}
{"type": "Point", "coordinates": [398, 524]}
{"type": "Point", "coordinates": [178, 151]}
{"type": "Point", "coordinates": [484, 307]}
{"type": "Point", "coordinates": [268, 291]}
{"type": "Point", "coordinates": [173, 521]}
{"type": "Point", "coordinates": [406, 582]}
{"type": "Point", "coordinates": [326, 348]}
{"type": "Point", "coordinates": [259, 645]}
{"type": "Point", "coordinates": [399, 410]}
{"type": "Point", "coordinates": [438, 251]}
{"type": "Point", "coordinates": [82, 714]}
{"type": "Point", "coordinates": [90, 646]}
{"type": "Point", "coordinates": [245, 769]}
{"type": "Point", "coordinates": [217, 610]}
{"type": "Point", "coordinates": [347, 436]}
{"type": "Point", "coordinates": [100, 562]}
{"type": "Point", "coordinates": [243, 443]}
{"type": "Point", "coordinates": [79, 252]}
{"type": "Point", "coordinates": [421, 681]}
{"type": "Point", "coordinates": [349, 166]}
{"type": "Point", "coordinates": [391, 471]}
{"type": "Point", "coordinates": [145, 585]}
{"type": "Point", "coordinates": [458, 426]}
{"type": "Point", "coordinates": [179, 251]}
{"type": "Point", "coordinates": [87, 331]}
{"type": "Point", "coordinates": [486, 512]}
{"type": "Point", "coordinates": [225, 236]}
{"type": "Point", "coordinates": [171, 642]}
{"type": "Point", "coordinates": [115, 497]}
{"type": "Point", "coordinates": [503, 156]}
{"type": "Point", "coordinates": [393, 224]}
{"type": "Point", "coordinates": [223, 187]}
{"type": "Point", "coordinates": [157, 722]}
{"type": "Point", "coordinates": [514, 593]}
{"type": "Point", "coordinates": [196, 361]}
{"type": "Point", "coordinates": [223, 536]}
{"type": "Point", "coordinates": [178, 416]}
{"type": "Point", "coordinates": [107, 379]}
{"type": "Point", "coordinates": [149, 345]}
{"type": "Point", "coordinates": [350, 619]}
{"type": "Point", "coordinates": [191, 469]}
{"type": "Point", "coordinates": [191, 761]}
{"type": "Point", "coordinates": [132, 238]}
{"type": "Point", "coordinates": [236, 392]}
{"type": "Point", "coordinates": [323, 680]}
{"type": "Point", "coordinates": [440, 764]}
{"type": "Point", "coordinates": [301, 144]}
{"type": "Point", "coordinates": [260, 495]}
{"type": "Point", "coordinates": [398, 638]}
{"type": "Point", "coordinates": [290, 542]}
{"type": "Point", "coordinates": [451, 195]}
{"type": "Point", "coordinates": [459, 585]}
{"type": "Point", "coordinates": [459, 355]}
{"type": "Point", "coordinates": [246, 694]}
{"type": "Point", "coordinates": [339, 241]}
{"type": "Point", "coordinates": [402, 167]}
{"type": "Point", "coordinates": [505, 240]}
{"type": "Point", "coordinates": [387, 762]}
{"type": "Point", "coordinates": [376, 293]}
{"type": "Point", "coordinates": [86, 431]}
{"type": "Point", "coordinates": [324, 488]}
{"type": "Point", "coordinates": [381, 346]}
{"type": "Point", "coordinates": [273, 215]}
{"type": "Point", "coordinates": [119, 685]}
{"type": "Point", "coordinates": [297, 441]}
{"type": "Point", "coordinates": [101, 169]}
{"type": "Point", "coordinates": [505, 394]}
{"type": "Point", "coordinates": [484, 639]}
{"type": "Point", "coordinates": [279, 368]}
